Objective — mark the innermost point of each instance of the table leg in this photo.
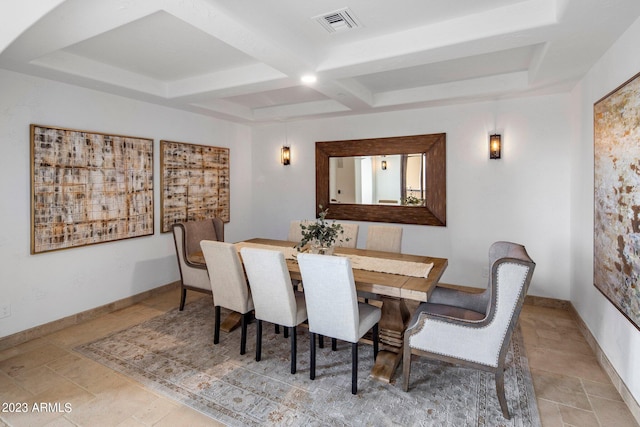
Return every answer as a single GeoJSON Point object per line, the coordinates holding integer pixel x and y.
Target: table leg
{"type": "Point", "coordinates": [231, 322]}
{"type": "Point", "coordinates": [395, 316]}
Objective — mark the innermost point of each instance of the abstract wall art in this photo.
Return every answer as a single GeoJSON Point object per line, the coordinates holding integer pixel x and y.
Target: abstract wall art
{"type": "Point", "coordinates": [194, 182]}
{"type": "Point", "coordinates": [617, 198]}
{"type": "Point", "coordinates": [88, 188]}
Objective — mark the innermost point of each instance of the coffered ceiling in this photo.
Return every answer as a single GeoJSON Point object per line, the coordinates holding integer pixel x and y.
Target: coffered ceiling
{"type": "Point", "coordinates": [242, 60]}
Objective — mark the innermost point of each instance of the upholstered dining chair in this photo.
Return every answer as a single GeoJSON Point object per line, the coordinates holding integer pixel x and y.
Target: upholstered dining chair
{"type": "Point", "coordinates": [187, 237]}
{"type": "Point", "coordinates": [228, 284]}
{"type": "Point", "coordinates": [349, 237]}
{"type": "Point", "coordinates": [295, 232]}
{"type": "Point", "coordinates": [333, 307]}
{"type": "Point", "coordinates": [273, 295]}
{"type": "Point", "coordinates": [459, 327]}
{"type": "Point", "coordinates": [384, 238]}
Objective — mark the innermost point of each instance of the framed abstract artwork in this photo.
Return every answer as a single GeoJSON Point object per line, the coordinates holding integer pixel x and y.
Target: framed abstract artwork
{"type": "Point", "coordinates": [617, 198]}
{"type": "Point", "coordinates": [194, 182]}
{"type": "Point", "coordinates": [88, 188]}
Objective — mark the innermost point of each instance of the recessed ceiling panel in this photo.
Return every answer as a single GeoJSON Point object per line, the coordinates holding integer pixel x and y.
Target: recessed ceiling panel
{"type": "Point", "coordinates": [162, 47]}
{"type": "Point", "coordinates": [490, 64]}
{"type": "Point", "coordinates": [271, 98]}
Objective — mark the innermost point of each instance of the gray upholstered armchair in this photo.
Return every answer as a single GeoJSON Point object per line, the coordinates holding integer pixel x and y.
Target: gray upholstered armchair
{"type": "Point", "coordinates": [187, 237]}
{"type": "Point", "coordinates": [473, 329]}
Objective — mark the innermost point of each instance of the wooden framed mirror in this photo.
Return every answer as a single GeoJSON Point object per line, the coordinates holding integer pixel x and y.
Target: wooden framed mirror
{"type": "Point", "coordinates": [427, 206]}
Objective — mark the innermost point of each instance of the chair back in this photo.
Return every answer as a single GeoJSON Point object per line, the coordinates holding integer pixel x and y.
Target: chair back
{"type": "Point", "coordinates": [271, 287]}
{"type": "Point", "coordinates": [295, 232]}
{"type": "Point", "coordinates": [197, 231]}
{"type": "Point", "coordinates": [228, 283]}
{"type": "Point", "coordinates": [350, 232]}
{"type": "Point", "coordinates": [384, 238]}
{"type": "Point", "coordinates": [330, 294]}
{"type": "Point", "coordinates": [192, 275]}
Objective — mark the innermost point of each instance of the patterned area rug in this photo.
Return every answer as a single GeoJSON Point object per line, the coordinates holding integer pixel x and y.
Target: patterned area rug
{"type": "Point", "coordinates": [174, 354]}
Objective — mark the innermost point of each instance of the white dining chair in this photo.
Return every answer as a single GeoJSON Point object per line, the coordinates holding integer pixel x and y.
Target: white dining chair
{"type": "Point", "coordinates": [273, 295]}
{"type": "Point", "coordinates": [384, 238]}
{"type": "Point", "coordinates": [228, 285]}
{"type": "Point", "coordinates": [333, 308]}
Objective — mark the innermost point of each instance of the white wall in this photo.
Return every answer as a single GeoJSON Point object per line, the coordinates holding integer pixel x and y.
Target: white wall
{"type": "Point", "coordinates": [48, 286]}
{"type": "Point", "coordinates": [617, 337]}
{"type": "Point", "coordinates": [524, 197]}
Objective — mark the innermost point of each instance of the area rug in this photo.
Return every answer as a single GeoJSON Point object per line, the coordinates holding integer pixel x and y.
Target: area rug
{"type": "Point", "coordinates": [174, 355]}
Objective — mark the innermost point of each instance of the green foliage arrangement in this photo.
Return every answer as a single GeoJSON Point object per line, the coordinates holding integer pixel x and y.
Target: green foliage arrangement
{"type": "Point", "coordinates": [322, 232]}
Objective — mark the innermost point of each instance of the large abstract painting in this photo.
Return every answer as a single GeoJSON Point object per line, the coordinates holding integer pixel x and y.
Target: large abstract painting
{"type": "Point", "coordinates": [617, 198]}
{"type": "Point", "coordinates": [88, 188]}
{"type": "Point", "coordinates": [195, 183]}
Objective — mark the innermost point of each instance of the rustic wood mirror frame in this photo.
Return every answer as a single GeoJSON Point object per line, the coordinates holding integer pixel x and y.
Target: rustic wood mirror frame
{"type": "Point", "coordinates": [433, 145]}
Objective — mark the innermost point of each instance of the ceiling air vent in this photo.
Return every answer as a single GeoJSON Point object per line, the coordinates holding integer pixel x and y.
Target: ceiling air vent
{"type": "Point", "coordinates": [338, 21]}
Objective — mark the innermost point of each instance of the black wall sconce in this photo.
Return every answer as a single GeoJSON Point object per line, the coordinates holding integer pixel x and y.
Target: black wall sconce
{"type": "Point", "coordinates": [285, 155]}
{"type": "Point", "coordinates": [495, 146]}
{"type": "Point", "coordinates": [383, 165]}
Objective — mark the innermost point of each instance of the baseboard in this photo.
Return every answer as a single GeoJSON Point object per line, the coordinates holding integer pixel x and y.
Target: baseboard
{"type": "Point", "coordinates": [48, 328]}
{"type": "Point", "coordinates": [619, 384]}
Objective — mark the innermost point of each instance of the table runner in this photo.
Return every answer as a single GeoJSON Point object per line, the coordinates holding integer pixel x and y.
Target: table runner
{"type": "Point", "coordinates": [360, 262]}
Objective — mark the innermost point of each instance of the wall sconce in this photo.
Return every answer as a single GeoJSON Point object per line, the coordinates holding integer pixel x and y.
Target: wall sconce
{"type": "Point", "coordinates": [495, 146]}
{"type": "Point", "coordinates": [383, 165]}
{"type": "Point", "coordinates": [285, 155]}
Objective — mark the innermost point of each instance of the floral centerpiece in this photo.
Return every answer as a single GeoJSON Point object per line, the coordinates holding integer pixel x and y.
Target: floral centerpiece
{"type": "Point", "coordinates": [321, 235]}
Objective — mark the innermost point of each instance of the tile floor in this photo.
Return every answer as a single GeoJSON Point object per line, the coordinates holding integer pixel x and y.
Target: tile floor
{"type": "Point", "coordinates": [571, 388]}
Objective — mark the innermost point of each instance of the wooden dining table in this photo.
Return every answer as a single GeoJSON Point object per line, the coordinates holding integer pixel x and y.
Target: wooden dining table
{"type": "Point", "coordinates": [394, 290]}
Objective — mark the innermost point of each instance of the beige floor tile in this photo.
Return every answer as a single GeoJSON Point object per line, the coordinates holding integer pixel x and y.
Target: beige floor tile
{"type": "Point", "coordinates": [561, 389]}
{"type": "Point", "coordinates": [549, 413]}
{"type": "Point", "coordinates": [187, 417]}
{"type": "Point", "coordinates": [50, 405]}
{"type": "Point", "coordinates": [132, 422]}
{"type": "Point", "coordinates": [60, 422]}
{"type": "Point", "coordinates": [31, 359]}
{"type": "Point", "coordinates": [603, 390]}
{"type": "Point", "coordinates": [23, 348]}
{"type": "Point", "coordinates": [155, 411]}
{"type": "Point", "coordinates": [574, 365]}
{"type": "Point", "coordinates": [112, 406]}
{"type": "Point", "coordinates": [39, 379]}
{"type": "Point", "coordinates": [578, 417]}
{"type": "Point", "coordinates": [612, 412]}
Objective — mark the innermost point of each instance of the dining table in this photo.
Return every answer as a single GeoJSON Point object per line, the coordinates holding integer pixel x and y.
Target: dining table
{"type": "Point", "coordinates": [396, 278]}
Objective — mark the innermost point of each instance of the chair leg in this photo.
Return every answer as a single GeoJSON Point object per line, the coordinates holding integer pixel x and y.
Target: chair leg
{"type": "Point", "coordinates": [312, 356]}
{"type": "Point", "coordinates": [376, 338]}
{"type": "Point", "coordinates": [354, 368]}
{"type": "Point", "coordinates": [321, 341]}
{"type": "Point", "coordinates": [334, 344]}
{"type": "Point", "coordinates": [216, 329]}
{"type": "Point", "coordinates": [277, 329]}
{"type": "Point", "coordinates": [243, 336]}
{"type": "Point", "coordinates": [286, 332]}
{"type": "Point", "coordinates": [259, 340]}
{"type": "Point", "coordinates": [294, 339]}
{"type": "Point", "coordinates": [406, 366]}
{"type": "Point", "coordinates": [500, 391]}
{"type": "Point", "coordinates": [183, 298]}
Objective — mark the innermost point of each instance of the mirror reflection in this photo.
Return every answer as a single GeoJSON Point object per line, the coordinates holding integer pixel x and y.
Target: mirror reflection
{"type": "Point", "coordinates": [378, 180]}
